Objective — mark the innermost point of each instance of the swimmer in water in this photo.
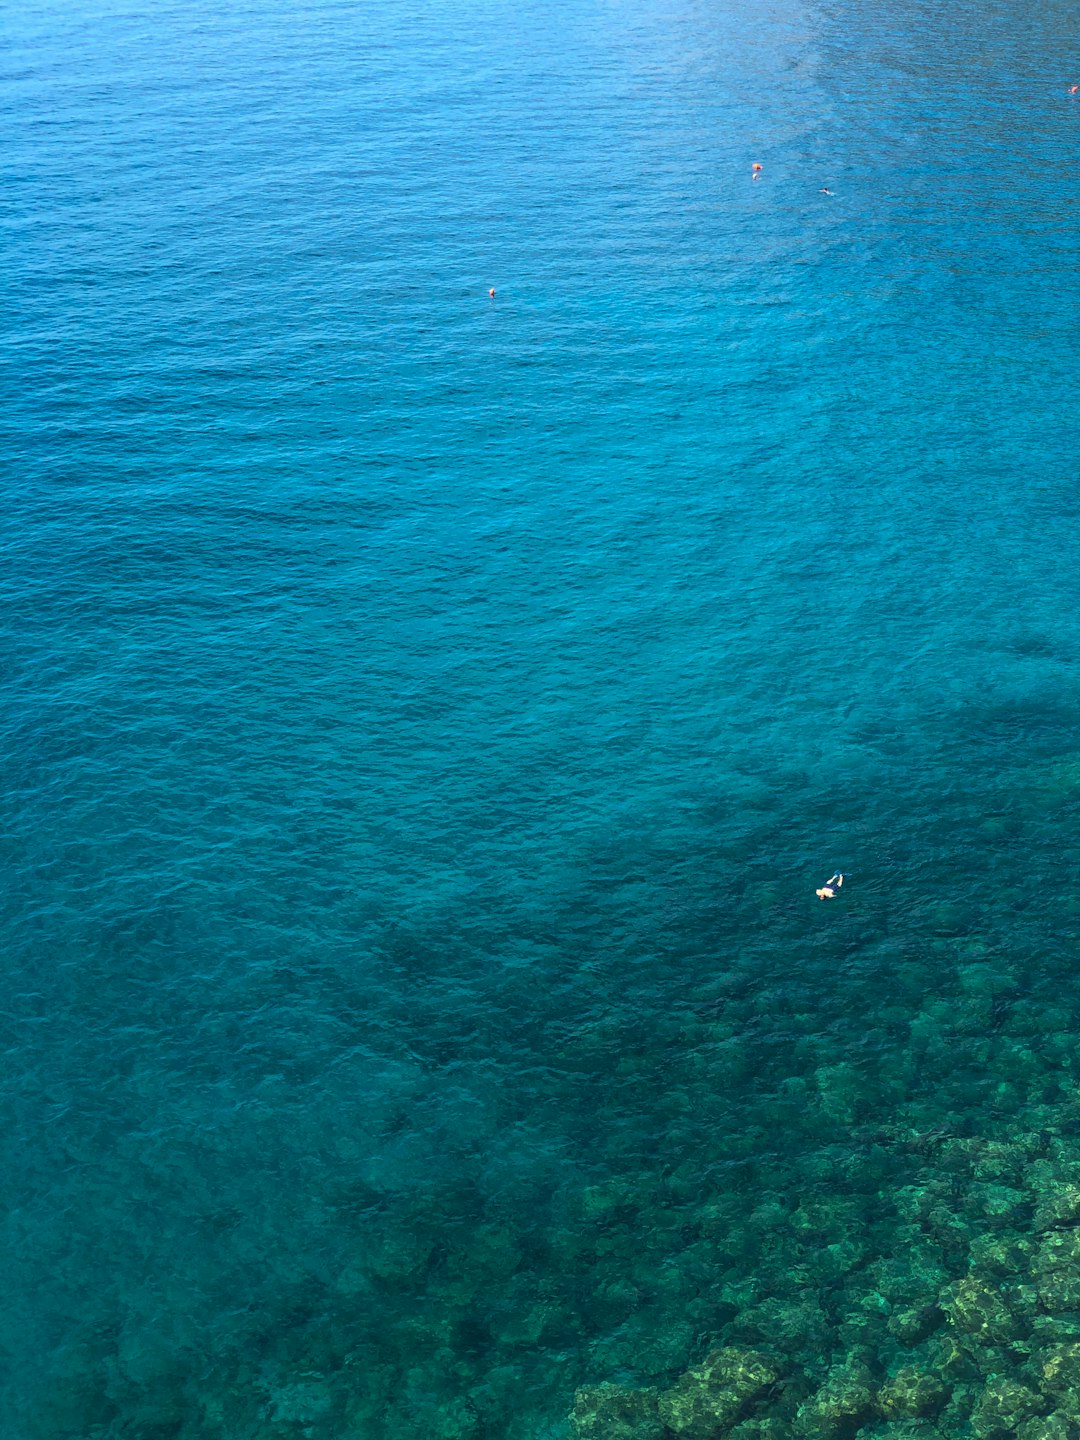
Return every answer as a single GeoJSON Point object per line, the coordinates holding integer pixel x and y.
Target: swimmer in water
{"type": "Point", "coordinates": [823, 191]}
{"type": "Point", "coordinates": [829, 889]}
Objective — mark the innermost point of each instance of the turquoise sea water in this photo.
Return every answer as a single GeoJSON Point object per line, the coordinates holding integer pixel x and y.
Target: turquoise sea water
{"type": "Point", "coordinates": [426, 719]}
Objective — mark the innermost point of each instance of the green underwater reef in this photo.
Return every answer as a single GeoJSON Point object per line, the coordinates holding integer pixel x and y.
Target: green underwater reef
{"type": "Point", "coordinates": [833, 1199]}
{"type": "Point", "coordinates": [914, 1278]}
{"type": "Point", "coordinates": [922, 1279]}
{"type": "Point", "coordinates": [958, 1314]}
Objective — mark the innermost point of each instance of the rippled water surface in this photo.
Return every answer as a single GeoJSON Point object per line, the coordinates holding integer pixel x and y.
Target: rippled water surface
{"type": "Point", "coordinates": [426, 719]}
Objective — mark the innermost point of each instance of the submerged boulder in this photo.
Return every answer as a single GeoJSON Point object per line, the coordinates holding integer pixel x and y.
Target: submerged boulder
{"type": "Point", "coordinates": [615, 1412]}
{"type": "Point", "coordinates": [1059, 1369]}
{"type": "Point", "coordinates": [1057, 1271]}
{"type": "Point", "coordinates": [1002, 1407]}
{"type": "Point", "coordinates": [975, 1306]}
{"type": "Point", "coordinates": [768, 1427]}
{"type": "Point", "coordinates": [1046, 1427]}
{"type": "Point", "coordinates": [1059, 1206]}
{"type": "Point", "coordinates": [911, 1324]}
{"type": "Point", "coordinates": [709, 1399]}
{"type": "Point", "coordinates": [799, 1327]}
{"type": "Point", "coordinates": [1058, 1376]}
{"type": "Point", "coordinates": [842, 1405]}
{"type": "Point", "coordinates": [903, 1430]}
{"type": "Point", "coordinates": [912, 1393]}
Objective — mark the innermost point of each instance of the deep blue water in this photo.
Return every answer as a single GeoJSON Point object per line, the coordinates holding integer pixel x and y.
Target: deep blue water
{"type": "Point", "coordinates": [426, 717]}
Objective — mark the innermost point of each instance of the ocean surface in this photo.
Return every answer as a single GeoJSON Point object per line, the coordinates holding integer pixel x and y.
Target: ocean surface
{"type": "Point", "coordinates": [426, 718]}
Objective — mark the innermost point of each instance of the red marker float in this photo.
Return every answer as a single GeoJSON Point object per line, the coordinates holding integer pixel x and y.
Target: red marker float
{"type": "Point", "coordinates": [755, 169]}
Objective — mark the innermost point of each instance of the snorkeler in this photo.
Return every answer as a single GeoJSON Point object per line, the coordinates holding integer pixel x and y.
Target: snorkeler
{"type": "Point", "coordinates": [829, 889]}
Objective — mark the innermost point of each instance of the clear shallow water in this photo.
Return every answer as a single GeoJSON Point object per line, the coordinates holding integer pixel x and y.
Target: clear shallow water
{"type": "Point", "coordinates": [426, 719]}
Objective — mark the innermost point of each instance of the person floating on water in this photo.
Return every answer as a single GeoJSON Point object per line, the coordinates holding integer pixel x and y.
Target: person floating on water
{"type": "Point", "coordinates": [825, 191]}
{"type": "Point", "coordinates": [491, 292]}
{"type": "Point", "coordinates": [829, 889]}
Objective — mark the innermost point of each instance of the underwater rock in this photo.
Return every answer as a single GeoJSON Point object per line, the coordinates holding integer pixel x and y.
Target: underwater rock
{"type": "Point", "coordinates": [401, 1257]}
{"type": "Point", "coordinates": [1058, 1376]}
{"type": "Point", "coordinates": [828, 1217]}
{"type": "Point", "coordinates": [718, 1219]}
{"type": "Point", "coordinates": [650, 1351]}
{"type": "Point", "coordinates": [861, 1334]}
{"type": "Point", "coordinates": [710, 1398]}
{"type": "Point", "coordinates": [912, 1325]}
{"type": "Point", "coordinates": [842, 1092]}
{"type": "Point", "coordinates": [910, 1282]}
{"type": "Point", "coordinates": [913, 1202]}
{"type": "Point", "coordinates": [904, 1430]}
{"type": "Point", "coordinates": [949, 917]}
{"type": "Point", "coordinates": [968, 1360]}
{"type": "Point", "coordinates": [835, 1261]}
{"type": "Point", "coordinates": [452, 1418]}
{"type": "Point", "coordinates": [916, 1275]}
{"type": "Point", "coordinates": [1057, 1270]}
{"type": "Point", "coordinates": [955, 1417]}
{"type": "Point", "coordinates": [1003, 1254]}
{"type": "Point", "coordinates": [841, 1406]}
{"type": "Point", "coordinates": [771, 1214]}
{"type": "Point", "coordinates": [1059, 1368]}
{"type": "Point", "coordinates": [520, 1326]}
{"type": "Point", "coordinates": [1002, 1407]}
{"type": "Point", "coordinates": [995, 1160]}
{"type": "Point", "coordinates": [799, 1328]}
{"type": "Point", "coordinates": [949, 1356]}
{"type": "Point", "coordinates": [912, 1393]}
{"type": "Point", "coordinates": [980, 977]}
{"type": "Point", "coordinates": [1046, 1427]}
{"type": "Point", "coordinates": [301, 1403]}
{"type": "Point", "coordinates": [996, 1204]}
{"type": "Point", "coordinates": [1058, 1207]}
{"type": "Point", "coordinates": [951, 1231]}
{"type": "Point", "coordinates": [613, 1412]}
{"type": "Point", "coordinates": [768, 1427]}
{"type": "Point", "coordinates": [1054, 1329]}
{"type": "Point", "coordinates": [493, 1251]}
{"type": "Point", "coordinates": [1024, 1303]}
{"type": "Point", "coordinates": [975, 1306]}
{"type": "Point", "coordinates": [614, 1197]}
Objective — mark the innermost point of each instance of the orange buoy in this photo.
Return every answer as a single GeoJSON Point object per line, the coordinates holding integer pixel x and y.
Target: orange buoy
{"type": "Point", "coordinates": [755, 169]}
